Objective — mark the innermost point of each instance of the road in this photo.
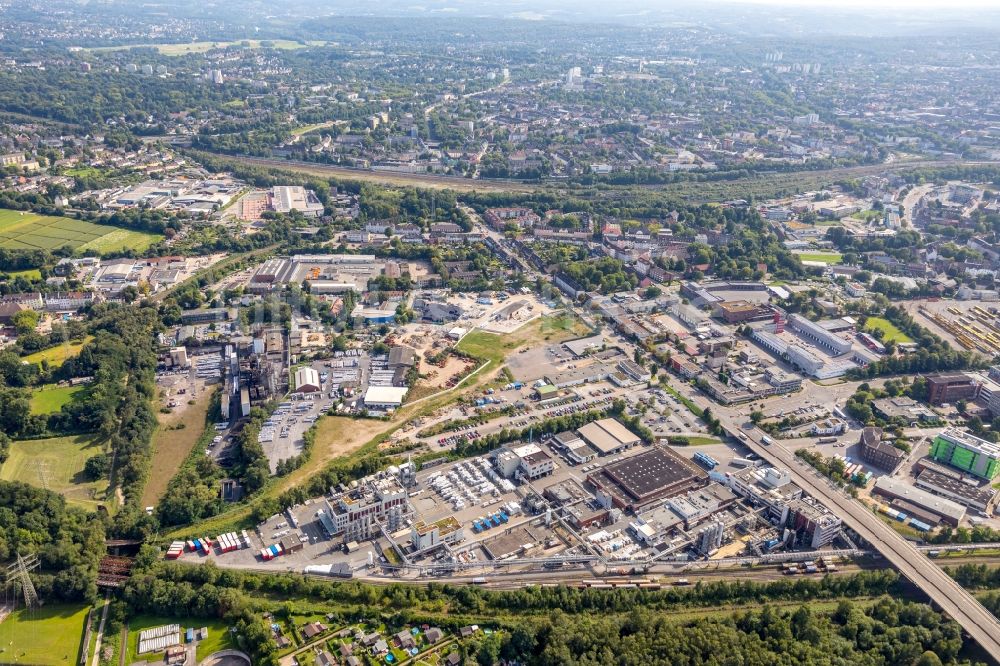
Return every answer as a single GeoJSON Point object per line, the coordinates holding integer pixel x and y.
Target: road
{"type": "Point", "coordinates": [100, 631]}
{"type": "Point", "coordinates": [951, 597]}
{"type": "Point", "coordinates": [910, 202]}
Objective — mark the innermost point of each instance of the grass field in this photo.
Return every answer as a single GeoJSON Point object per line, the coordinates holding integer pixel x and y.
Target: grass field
{"type": "Point", "coordinates": [31, 274]}
{"type": "Point", "coordinates": [56, 355]}
{"type": "Point", "coordinates": [56, 463]}
{"type": "Point", "coordinates": [172, 446]}
{"type": "Point", "coordinates": [550, 328]}
{"type": "Point", "coordinates": [218, 635]}
{"type": "Point", "coordinates": [306, 129]}
{"type": "Point", "coordinates": [50, 398]}
{"type": "Point", "coordinates": [49, 635]}
{"type": "Point", "coordinates": [823, 257]}
{"type": "Point", "coordinates": [890, 333]}
{"type": "Point", "coordinates": [29, 231]}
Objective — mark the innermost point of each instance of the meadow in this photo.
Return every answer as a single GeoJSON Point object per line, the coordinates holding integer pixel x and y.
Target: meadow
{"type": "Point", "coordinates": [55, 356]}
{"type": "Point", "coordinates": [44, 637]}
{"type": "Point", "coordinates": [21, 230]}
{"type": "Point", "coordinates": [56, 463]}
{"type": "Point", "coordinates": [50, 398]}
{"type": "Point", "coordinates": [890, 333]}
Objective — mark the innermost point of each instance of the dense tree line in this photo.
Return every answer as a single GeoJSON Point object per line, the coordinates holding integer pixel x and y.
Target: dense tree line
{"type": "Point", "coordinates": [69, 541]}
{"type": "Point", "coordinates": [932, 355]}
{"type": "Point", "coordinates": [559, 625]}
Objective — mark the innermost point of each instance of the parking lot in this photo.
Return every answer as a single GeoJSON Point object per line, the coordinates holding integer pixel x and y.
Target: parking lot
{"type": "Point", "coordinates": [282, 434]}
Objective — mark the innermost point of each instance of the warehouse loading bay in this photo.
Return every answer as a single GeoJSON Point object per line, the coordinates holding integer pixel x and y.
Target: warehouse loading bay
{"type": "Point", "coordinates": [552, 522]}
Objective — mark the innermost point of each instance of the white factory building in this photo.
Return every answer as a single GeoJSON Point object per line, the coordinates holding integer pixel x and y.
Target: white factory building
{"type": "Point", "coordinates": [306, 380]}
{"type": "Point", "coordinates": [384, 398]}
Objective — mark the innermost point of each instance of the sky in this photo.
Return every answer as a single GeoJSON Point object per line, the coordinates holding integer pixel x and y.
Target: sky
{"type": "Point", "coordinates": [880, 4]}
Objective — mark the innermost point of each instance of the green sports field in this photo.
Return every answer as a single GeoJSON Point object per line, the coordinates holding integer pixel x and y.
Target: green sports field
{"type": "Point", "coordinates": [29, 231]}
{"type": "Point", "coordinates": [824, 257]}
{"type": "Point", "coordinates": [46, 636]}
{"type": "Point", "coordinates": [56, 463]}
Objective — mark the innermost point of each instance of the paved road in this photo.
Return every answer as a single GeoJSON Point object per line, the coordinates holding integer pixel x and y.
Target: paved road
{"type": "Point", "coordinates": [951, 597]}
{"type": "Point", "coordinates": [100, 632]}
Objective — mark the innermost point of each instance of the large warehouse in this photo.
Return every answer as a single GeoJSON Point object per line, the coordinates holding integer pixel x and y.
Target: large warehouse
{"type": "Point", "coordinates": [384, 398]}
{"type": "Point", "coordinates": [608, 436]}
{"type": "Point", "coordinates": [645, 478]}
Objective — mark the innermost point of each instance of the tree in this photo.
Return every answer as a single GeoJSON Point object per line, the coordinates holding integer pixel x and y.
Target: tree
{"type": "Point", "coordinates": [97, 467]}
{"type": "Point", "coordinates": [25, 321]}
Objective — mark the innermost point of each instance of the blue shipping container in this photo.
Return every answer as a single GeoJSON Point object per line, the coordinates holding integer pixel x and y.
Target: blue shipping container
{"type": "Point", "coordinates": [189, 636]}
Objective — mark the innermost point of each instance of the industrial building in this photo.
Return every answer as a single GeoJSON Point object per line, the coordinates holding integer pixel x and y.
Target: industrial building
{"type": "Point", "coordinates": [898, 491]}
{"type": "Point", "coordinates": [576, 450]}
{"type": "Point", "coordinates": [524, 461]}
{"type": "Point", "coordinates": [967, 452]}
{"type": "Point", "coordinates": [768, 487]}
{"type": "Point", "coordinates": [608, 436]}
{"type": "Point", "coordinates": [286, 198]}
{"type": "Point", "coordinates": [980, 498]}
{"type": "Point", "coordinates": [741, 311]}
{"type": "Point", "coordinates": [816, 525]}
{"type": "Point", "coordinates": [446, 530]}
{"type": "Point", "coordinates": [819, 335]}
{"type": "Point", "coordinates": [307, 380]}
{"type": "Point", "coordinates": [642, 479]}
{"type": "Point", "coordinates": [322, 273]}
{"type": "Point", "coordinates": [383, 398]}
{"type": "Point", "coordinates": [356, 514]}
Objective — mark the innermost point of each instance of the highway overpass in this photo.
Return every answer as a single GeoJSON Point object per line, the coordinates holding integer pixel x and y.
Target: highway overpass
{"type": "Point", "coordinates": [951, 597]}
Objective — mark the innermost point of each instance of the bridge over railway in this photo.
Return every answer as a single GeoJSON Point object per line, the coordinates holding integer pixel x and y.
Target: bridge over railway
{"type": "Point", "coordinates": [948, 595]}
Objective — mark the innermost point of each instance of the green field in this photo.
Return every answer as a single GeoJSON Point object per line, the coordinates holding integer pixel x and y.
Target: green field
{"type": "Point", "coordinates": [30, 274]}
{"type": "Point", "coordinates": [306, 129]}
{"type": "Point", "coordinates": [824, 257]}
{"type": "Point", "coordinates": [29, 231]}
{"type": "Point", "coordinates": [49, 635]}
{"type": "Point", "coordinates": [219, 637]}
{"type": "Point", "coordinates": [56, 463]}
{"type": "Point", "coordinates": [890, 333]}
{"type": "Point", "coordinates": [51, 398]}
{"type": "Point", "coordinates": [56, 355]}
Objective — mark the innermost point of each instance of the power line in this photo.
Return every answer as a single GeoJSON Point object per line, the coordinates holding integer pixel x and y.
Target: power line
{"type": "Point", "coordinates": [18, 574]}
